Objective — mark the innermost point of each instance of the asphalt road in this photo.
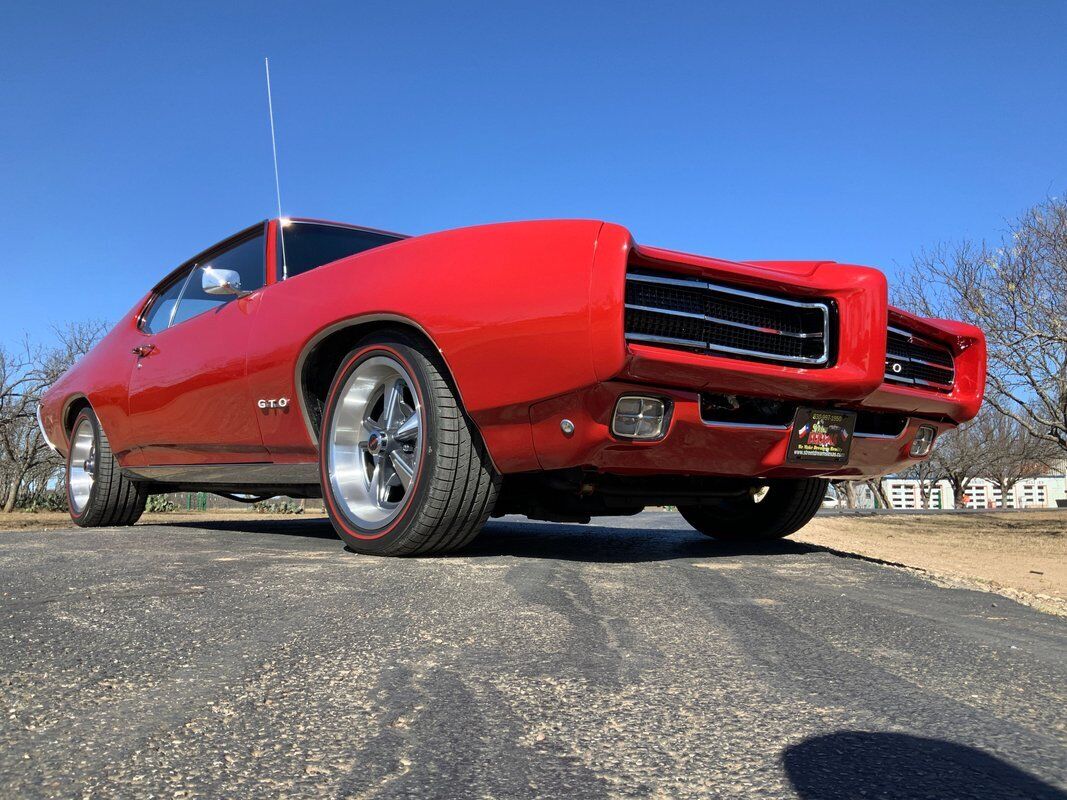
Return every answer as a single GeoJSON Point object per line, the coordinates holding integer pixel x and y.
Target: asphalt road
{"type": "Point", "coordinates": [632, 658]}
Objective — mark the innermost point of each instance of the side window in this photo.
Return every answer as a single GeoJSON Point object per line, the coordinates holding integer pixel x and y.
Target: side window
{"type": "Point", "coordinates": [158, 316]}
{"type": "Point", "coordinates": [246, 259]}
{"type": "Point", "coordinates": [309, 245]}
{"type": "Point", "coordinates": [185, 297]}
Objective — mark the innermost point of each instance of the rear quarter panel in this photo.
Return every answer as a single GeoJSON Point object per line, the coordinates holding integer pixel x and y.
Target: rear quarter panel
{"type": "Point", "coordinates": [101, 376]}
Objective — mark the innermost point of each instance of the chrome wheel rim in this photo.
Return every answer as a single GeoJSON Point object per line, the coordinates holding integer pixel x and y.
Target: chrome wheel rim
{"type": "Point", "coordinates": [374, 444]}
{"type": "Point", "coordinates": [82, 471]}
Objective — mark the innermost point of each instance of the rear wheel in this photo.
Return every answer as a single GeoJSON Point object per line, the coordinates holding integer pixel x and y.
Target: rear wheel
{"type": "Point", "coordinates": [403, 469]}
{"type": "Point", "coordinates": [772, 511]}
{"type": "Point", "coordinates": [97, 491]}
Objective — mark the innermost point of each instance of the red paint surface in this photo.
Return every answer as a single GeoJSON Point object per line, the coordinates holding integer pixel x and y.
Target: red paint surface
{"type": "Point", "coordinates": [189, 401]}
{"type": "Point", "coordinates": [529, 319]}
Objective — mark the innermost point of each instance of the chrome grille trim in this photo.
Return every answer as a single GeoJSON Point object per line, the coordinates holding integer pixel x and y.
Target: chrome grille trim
{"type": "Point", "coordinates": [644, 337]}
{"type": "Point", "coordinates": [720, 321]}
{"type": "Point", "coordinates": [943, 375]}
{"type": "Point", "coordinates": [718, 287]}
{"type": "Point", "coordinates": [674, 313]}
{"type": "Point", "coordinates": [935, 384]}
{"type": "Point", "coordinates": [713, 289]}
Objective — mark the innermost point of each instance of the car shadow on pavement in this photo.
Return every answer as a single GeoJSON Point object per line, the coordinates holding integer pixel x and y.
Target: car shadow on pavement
{"type": "Point", "coordinates": [307, 527]}
{"type": "Point", "coordinates": [612, 544]}
{"type": "Point", "coordinates": [894, 766]}
{"type": "Point", "coordinates": [609, 544]}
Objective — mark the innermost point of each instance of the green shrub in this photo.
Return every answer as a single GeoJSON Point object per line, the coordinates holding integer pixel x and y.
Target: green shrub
{"type": "Point", "coordinates": [160, 504]}
{"type": "Point", "coordinates": [279, 507]}
{"type": "Point", "coordinates": [46, 501]}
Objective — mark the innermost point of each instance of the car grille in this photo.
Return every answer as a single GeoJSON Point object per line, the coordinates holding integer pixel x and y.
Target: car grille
{"type": "Point", "coordinates": [693, 314]}
{"type": "Point", "coordinates": [915, 361]}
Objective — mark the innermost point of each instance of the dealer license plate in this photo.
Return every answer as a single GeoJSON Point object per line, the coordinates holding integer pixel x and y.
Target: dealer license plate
{"type": "Point", "coordinates": [821, 435]}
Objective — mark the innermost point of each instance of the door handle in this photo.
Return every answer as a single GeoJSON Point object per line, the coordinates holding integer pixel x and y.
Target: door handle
{"type": "Point", "coordinates": [142, 350]}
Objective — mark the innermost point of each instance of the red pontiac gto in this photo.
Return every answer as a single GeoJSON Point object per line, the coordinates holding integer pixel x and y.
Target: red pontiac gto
{"type": "Point", "coordinates": [554, 369]}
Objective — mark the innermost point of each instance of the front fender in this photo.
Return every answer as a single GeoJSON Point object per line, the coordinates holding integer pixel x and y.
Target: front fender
{"type": "Point", "coordinates": [507, 305]}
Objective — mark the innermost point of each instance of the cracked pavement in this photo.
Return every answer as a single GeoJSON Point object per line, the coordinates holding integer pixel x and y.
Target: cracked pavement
{"type": "Point", "coordinates": [628, 658]}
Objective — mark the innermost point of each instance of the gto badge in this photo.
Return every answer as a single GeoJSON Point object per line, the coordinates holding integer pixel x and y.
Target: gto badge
{"type": "Point", "coordinates": [281, 402]}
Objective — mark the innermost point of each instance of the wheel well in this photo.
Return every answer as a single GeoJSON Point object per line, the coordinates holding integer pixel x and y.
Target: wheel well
{"type": "Point", "coordinates": [71, 414]}
{"type": "Point", "coordinates": [321, 363]}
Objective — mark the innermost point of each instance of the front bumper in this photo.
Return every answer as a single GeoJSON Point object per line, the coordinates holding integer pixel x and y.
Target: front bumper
{"type": "Point", "coordinates": [853, 379]}
{"type": "Point", "coordinates": [44, 431]}
{"type": "Point", "coordinates": [693, 446]}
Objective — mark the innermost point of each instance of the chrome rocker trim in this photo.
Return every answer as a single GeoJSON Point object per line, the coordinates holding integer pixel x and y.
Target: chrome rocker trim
{"type": "Point", "coordinates": [258, 474]}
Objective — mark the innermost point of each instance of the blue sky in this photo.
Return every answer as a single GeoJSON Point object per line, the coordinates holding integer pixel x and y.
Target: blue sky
{"type": "Point", "coordinates": [133, 136]}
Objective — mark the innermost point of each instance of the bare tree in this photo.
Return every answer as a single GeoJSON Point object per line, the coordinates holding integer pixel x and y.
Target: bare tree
{"type": "Point", "coordinates": [73, 340]}
{"type": "Point", "coordinates": [845, 490]}
{"type": "Point", "coordinates": [19, 447]}
{"type": "Point", "coordinates": [927, 473]}
{"type": "Point", "coordinates": [877, 487]}
{"type": "Point", "coordinates": [1013, 453]}
{"type": "Point", "coordinates": [1016, 291]}
{"type": "Point", "coordinates": [26, 372]}
{"type": "Point", "coordinates": [962, 455]}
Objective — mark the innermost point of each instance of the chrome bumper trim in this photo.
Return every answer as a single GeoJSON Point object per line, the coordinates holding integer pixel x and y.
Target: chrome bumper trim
{"type": "Point", "coordinates": [44, 435]}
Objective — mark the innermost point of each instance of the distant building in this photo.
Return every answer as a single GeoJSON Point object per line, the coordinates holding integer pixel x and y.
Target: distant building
{"type": "Point", "coordinates": [1040, 492]}
{"type": "Point", "coordinates": [905, 493]}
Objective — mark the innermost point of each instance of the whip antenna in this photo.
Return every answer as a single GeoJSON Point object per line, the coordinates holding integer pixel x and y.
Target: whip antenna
{"type": "Point", "coordinates": [277, 183]}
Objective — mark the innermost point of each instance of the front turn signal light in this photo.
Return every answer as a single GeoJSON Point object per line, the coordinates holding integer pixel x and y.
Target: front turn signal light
{"type": "Point", "coordinates": [640, 418]}
{"type": "Point", "coordinates": [923, 442]}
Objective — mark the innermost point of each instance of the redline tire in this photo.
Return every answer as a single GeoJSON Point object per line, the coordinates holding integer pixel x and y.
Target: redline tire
{"type": "Point", "coordinates": [787, 507]}
{"type": "Point", "coordinates": [111, 498]}
{"type": "Point", "coordinates": [454, 486]}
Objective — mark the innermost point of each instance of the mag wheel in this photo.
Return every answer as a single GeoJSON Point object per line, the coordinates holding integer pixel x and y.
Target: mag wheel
{"type": "Point", "coordinates": [97, 491]}
{"type": "Point", "coordinates": [403, 469]}
{"type": "Point", "coordinates": [771, 511]}
{"type": "Point", "coordinates": [376, 442]}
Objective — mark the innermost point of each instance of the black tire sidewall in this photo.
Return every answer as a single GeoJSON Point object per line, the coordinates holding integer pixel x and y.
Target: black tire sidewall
{"type": "Point", "coordinates": [755, 521]}
{"type": "Point", "coordinates": [392, 537]}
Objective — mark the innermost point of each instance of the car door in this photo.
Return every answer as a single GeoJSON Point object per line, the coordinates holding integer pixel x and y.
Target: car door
{"type": "Point", "coordinates": [287, 319]}
{"type": "Point", "coordinates": [189, 400]}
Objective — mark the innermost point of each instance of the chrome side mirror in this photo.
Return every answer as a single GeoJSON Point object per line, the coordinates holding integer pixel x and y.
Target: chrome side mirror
{"type": "Point", "coordinates": [220, 281]}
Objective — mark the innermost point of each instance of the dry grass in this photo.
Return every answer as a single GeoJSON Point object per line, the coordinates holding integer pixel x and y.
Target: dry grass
{"type": "Point", "coordinates": [1022, 554]}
